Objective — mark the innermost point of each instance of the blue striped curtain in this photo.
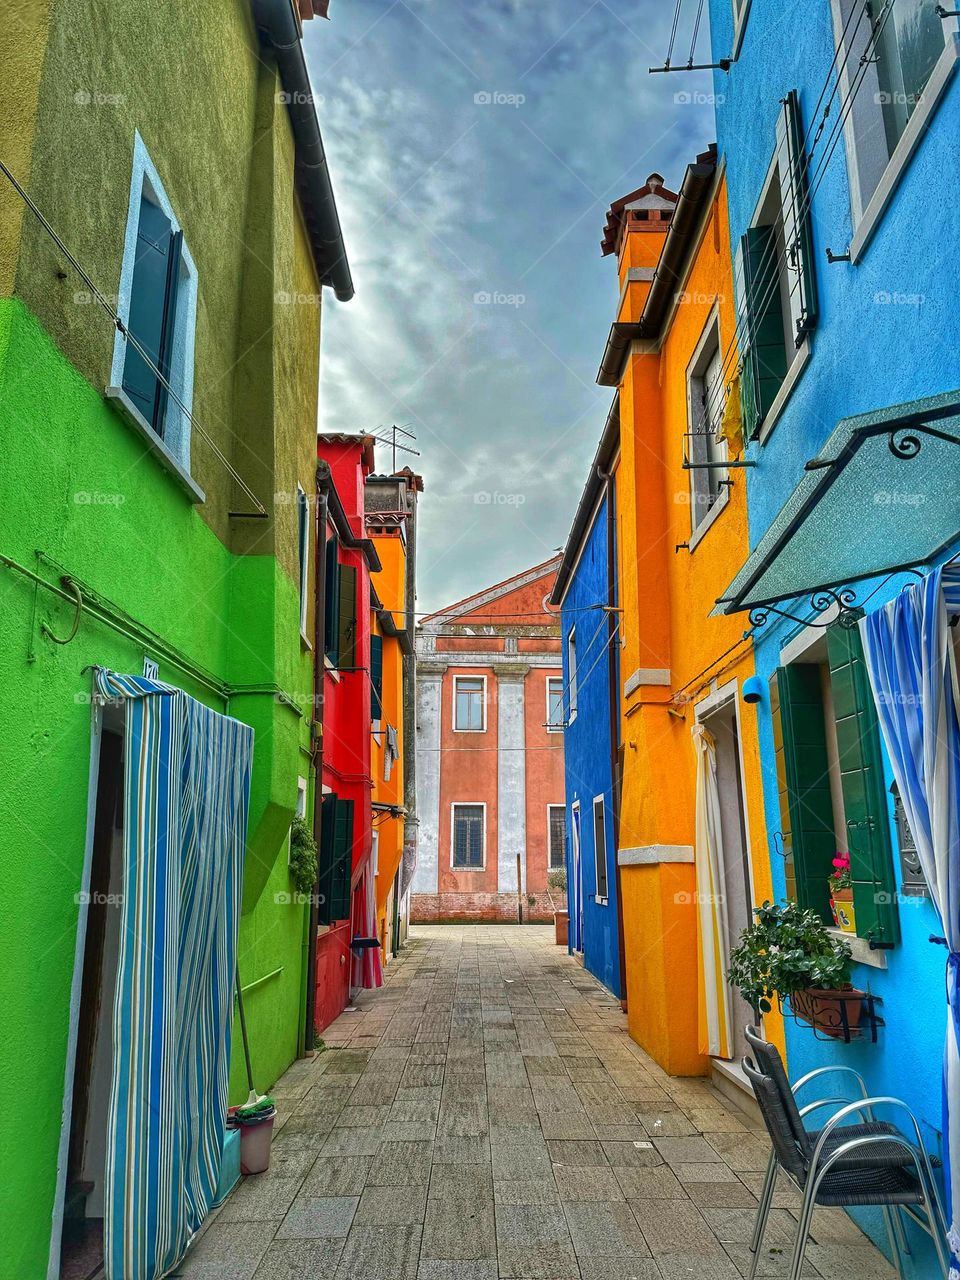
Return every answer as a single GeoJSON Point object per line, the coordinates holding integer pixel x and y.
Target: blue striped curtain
{"type": "Point", "coordinates": [913, 674]}
{"type": "Point", "coordinates": [186, 791]}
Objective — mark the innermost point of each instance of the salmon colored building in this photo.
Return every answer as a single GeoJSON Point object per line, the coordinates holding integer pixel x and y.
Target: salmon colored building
{"type": "Point", "coordinates": [490, 787]}
{"type": "Point", "coordinates": [692, 849]}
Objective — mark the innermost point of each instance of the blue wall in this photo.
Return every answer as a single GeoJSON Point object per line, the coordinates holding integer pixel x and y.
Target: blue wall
{"type": "Point", "coordinates": [586, 750]}
{"type": "Point", "coordinates": [868, 352]}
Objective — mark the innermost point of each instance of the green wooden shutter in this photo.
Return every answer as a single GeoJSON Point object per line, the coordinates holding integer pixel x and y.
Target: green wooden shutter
{"type": "Point", "coordinates": [331, 602]}
{"type": "Point", "coordinates": [342, 871]}
{"type": "Point", "coordinates": [376, 677]}
{"type": "Point", "coordinates": [864, 793]}
{"type": "Point", "coordinates": [763, 354]}
{"type": "Point", "coordinates": [152, 309]}
{"type": "Point", "coordinates": [326, 857]}
{"type": "Point", "coordinates": [797, 226]}
{"type": "Point", "coordinates": [347, 618]}
{"type": "Point", "coordinates": [806, 804]}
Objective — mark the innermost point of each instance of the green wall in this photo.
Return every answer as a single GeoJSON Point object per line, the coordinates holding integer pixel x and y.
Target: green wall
{"type": "Point", "coordinates": [80, 494]}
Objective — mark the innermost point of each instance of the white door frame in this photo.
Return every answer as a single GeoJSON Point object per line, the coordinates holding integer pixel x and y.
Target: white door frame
{"type": "Point", "coordinates": [576, 844]}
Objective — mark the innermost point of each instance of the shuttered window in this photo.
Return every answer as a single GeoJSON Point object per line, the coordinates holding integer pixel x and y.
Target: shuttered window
{"type": "Point", "coordinates": [865, 801]}
{"type": "Point", "coordinates": [600, 845]}
{"type": "Point", "coordinates": [809, 821]}
{"type": "Point", "coordinates": [797, 223]}
{"type": "Point", "coordinates": [806, 806]}
{"type": "Point", "coordinates": [347, 618]}
{"type": "Point", "coordinates": [303, 550]}
{"type": "Point", "coordinates": [376, 677]}
{"type": "Point", "coordinates": [760, 330]}
{"type": "Point", "coordinates": [774, 275]}
{"type": "Point", "coordinates": [331, 602]}
{"type": "Point", "coordinates": [153, 304]}
{"type": "Point", "coordinates": [335, 859]}
{"type": "Point", "coordinates": [468, 837]}
{"type": "Point", "coordinates": [557, 836]}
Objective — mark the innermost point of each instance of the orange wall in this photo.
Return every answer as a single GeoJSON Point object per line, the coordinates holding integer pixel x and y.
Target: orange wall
{"type": "Point", "coordinates": [667, 596]}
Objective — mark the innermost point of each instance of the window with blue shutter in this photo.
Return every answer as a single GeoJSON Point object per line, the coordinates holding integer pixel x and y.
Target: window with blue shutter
{"type": "Point", "coordinates": [797, 223]}
{"type": "Point", "coordinates": [152, 319]}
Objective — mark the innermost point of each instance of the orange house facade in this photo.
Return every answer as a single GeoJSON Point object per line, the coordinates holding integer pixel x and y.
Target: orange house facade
{"type": "Point", "coordinates": [692, 848]}
{"type": "Point", "coordinates": [489, 756]}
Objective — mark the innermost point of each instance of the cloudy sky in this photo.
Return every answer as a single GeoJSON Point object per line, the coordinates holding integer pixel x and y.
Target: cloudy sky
{"type": "Point", "coordinates": [475, 149]}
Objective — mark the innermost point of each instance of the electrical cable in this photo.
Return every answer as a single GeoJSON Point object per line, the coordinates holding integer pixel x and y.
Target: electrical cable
{"type": "Point", "coordinates": [127, 336]}
{"type": "Point", "coordinates": [727, 364]}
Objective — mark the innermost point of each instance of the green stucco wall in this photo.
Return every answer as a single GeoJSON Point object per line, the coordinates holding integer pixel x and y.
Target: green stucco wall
{"type": "Point", "coordinates": [81, 494]}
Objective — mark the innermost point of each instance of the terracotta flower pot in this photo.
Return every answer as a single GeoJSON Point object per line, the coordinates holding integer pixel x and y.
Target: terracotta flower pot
{"type": "Point", "coordinates": [561, 927]}
{"type": "Point", "coordinates": [824, 1009]}
{"type": "Point", "coordinates": [841, 904]}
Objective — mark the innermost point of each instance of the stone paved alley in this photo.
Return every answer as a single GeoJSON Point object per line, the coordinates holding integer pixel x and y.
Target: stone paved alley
{"type": "Point", "coordinates": [487, 1115]}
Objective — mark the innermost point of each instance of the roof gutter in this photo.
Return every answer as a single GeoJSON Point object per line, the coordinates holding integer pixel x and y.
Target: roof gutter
{"type": "Point", "coordinates": [684, 227]}
{"type": "Point", "coordinates": [279, 28]}
{"type": "Point", "coordinates": [338, 516]}
{"type": "Point", "coordinates": [596, 482]}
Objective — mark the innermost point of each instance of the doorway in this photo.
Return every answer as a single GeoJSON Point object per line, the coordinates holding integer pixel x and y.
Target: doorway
{"type": "Point", "coordinates": [81, 1241]}
{"type": "Point", "coordinates": [736, 912]}
{"type": "Point", "coordinates": [575, 844]}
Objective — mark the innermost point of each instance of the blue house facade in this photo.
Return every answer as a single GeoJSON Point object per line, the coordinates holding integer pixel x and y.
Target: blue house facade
{"type": "Point", "coordinates": [585, 591]}
{"type": "Point", "coordinates": [838, 124]}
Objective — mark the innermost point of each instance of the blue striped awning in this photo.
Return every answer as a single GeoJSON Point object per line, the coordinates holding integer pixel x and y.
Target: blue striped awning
{"type": "Point", "coordinates": [186, 791]}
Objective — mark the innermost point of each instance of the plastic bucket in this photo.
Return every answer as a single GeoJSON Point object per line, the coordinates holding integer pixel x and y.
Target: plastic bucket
{"type": "Point", "coordinates": [229, 1167]}
{"type": "Point", "coordinates": [256, 1135]}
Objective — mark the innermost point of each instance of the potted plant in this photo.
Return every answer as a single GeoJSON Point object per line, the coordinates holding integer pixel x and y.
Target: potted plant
{"type": "Point", "coordinates": [790, 954]}
{"type": "Point", "coordinates": [561, 916]}
{"type": "Point", "coordinates": [841, 894]}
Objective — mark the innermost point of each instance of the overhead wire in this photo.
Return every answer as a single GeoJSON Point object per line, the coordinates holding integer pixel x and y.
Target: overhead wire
{"type": "Point", "coordinates": [128, 337]}
{"type": "Point", "coordinates": [728, 364]}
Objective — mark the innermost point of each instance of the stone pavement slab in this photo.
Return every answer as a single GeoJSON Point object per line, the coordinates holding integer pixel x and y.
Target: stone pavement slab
{"type": "Point", "coordinates": [486, 1116]}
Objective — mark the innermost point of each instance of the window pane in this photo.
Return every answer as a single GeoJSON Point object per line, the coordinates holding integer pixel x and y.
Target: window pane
{"type": "Point", "coordinates": [558, 834]}
{"type": "Point", "coordinates": [468, 835]}
{"type": "Point", "coordinates": [469, 703]}
{"type": "Point", "coordinates": [909, 44]}
{"type": "Point", "coordinates": [555, 703]}
{"type": "Point", "coordinates": [600, 846]}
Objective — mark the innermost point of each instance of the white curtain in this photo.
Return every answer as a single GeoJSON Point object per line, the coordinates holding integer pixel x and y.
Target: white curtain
{"type": "Point", "coordinates": [715, 1010]}
{"type": "Point", "coordinates": [913, 673]}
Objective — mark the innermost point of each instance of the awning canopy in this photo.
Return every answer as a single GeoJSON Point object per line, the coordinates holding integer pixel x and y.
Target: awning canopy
{"type": "Point", "coordinates": [882, 495]}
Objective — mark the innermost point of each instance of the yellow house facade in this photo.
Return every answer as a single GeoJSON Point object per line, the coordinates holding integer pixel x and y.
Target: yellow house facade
{"type": "Point", "coordinates": [391, 644]}
{"type": "Point", "coordinates": [692, 846]}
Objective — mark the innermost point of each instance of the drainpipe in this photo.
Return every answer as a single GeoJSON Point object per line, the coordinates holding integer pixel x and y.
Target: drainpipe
{"type": "Point", "coordinates": [320, 594]}
{"type": "Point", "coordinates": [614, 695]}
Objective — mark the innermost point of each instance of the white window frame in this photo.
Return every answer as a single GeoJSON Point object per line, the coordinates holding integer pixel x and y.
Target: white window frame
{"type": "Point", "coordinates": [571, 689]}
{"type": "Point", "coordinates": [867, 215]}
{"type": "Point", "coordinates": [483, 706]}
{"type": "Point", "coordinates": [563, 862]}
{"type": "Point", "coordinates": [741, 12]}
{"type": "Point", "coordinates": [468, 804]}
{"type": "Point", "coordinates": [303, 550]}
{"type": "Point", "coordinates": [174, 449]}
{"type": "Point", "coordinates": [600, 899]}
{"type": "Point", "coordinates": [300, 811]}
{"type": "Point", "coordinates": [554, 728]}
{"type": "Point", "coordinates": [694, 378]}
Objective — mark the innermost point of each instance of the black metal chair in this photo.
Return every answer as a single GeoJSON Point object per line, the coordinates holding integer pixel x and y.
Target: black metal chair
{"type": "Point", "coordinates": [841, 1164]}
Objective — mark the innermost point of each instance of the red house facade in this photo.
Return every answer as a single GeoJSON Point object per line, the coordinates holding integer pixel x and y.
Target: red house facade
{"type": "Point", "coordinates": [345, 560]}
